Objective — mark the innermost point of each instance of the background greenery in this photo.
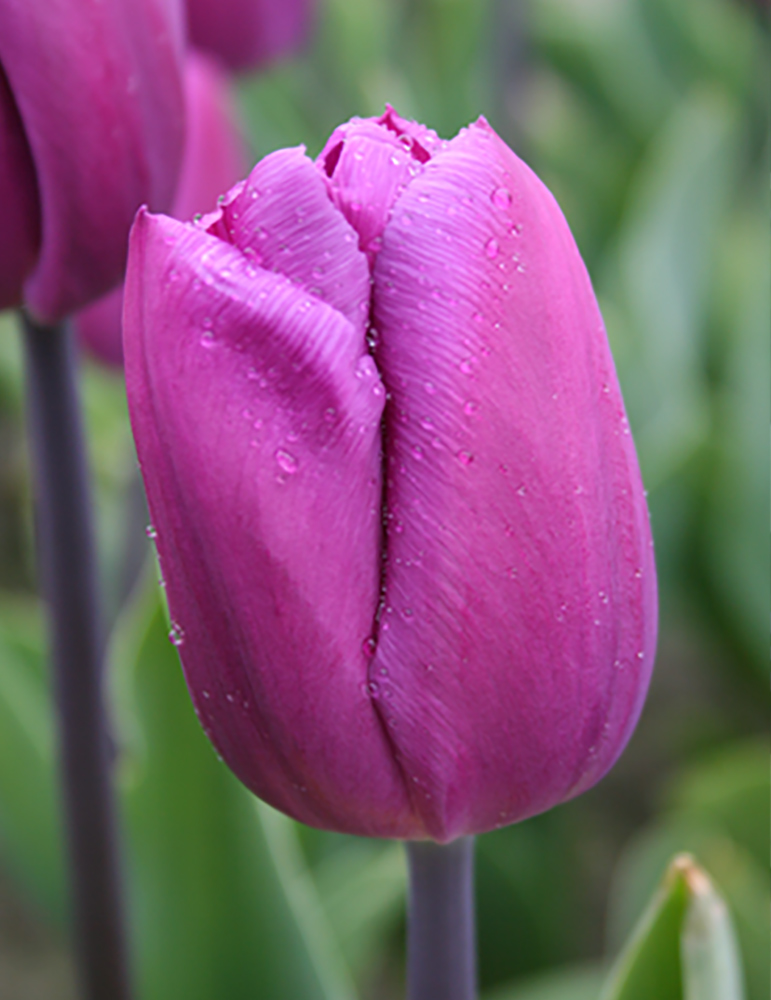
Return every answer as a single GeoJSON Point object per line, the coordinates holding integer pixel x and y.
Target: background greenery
{"type": "Point", "coordinates": [648, 119]}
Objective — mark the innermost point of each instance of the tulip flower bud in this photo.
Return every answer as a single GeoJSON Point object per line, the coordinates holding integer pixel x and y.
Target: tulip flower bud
{"type": "Point", "coordinates": [397, 504]}
{"type": "Point", "coordinates": [91, 125]}
{"type": "Point", "coordinates": [214, 158]}
{"type": "Point", "coordinates": [247, 34]}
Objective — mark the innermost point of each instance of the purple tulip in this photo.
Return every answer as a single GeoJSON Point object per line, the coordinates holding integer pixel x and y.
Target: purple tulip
{"type": "Point", "coordinates": [214, 158]}
{"type": "Point", "coordinates": [397, 504]}
{"type": "Point", "coordinates": [91, 125]}
{"type": "Point", "coordinates": [247, 34]}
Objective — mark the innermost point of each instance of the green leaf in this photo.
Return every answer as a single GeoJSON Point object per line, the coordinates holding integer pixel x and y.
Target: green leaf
{"type": "Point", "coordinates": [578, 983]}
{"type": "Point", "coordinates": [218, 911]}
{"type": "Point", "coordinates": [30, 822]}
{"type": "Point", "coordinates": [711, 969]}
{"type": "Point", "coordinates": [363, 889]}
{"type": "Point", "coordinates": [683, 948]}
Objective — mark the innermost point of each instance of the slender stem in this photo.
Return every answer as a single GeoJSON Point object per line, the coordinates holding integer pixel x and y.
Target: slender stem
{"type": "Point", "coordinates": [67, 566]}
{"type": "Point", "coordinates": [441, 942]}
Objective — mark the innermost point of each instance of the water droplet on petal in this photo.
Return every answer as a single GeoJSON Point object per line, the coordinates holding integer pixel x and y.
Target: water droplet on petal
{"type": "Point", "coordinates": [492, 249]}
{"type": "Point", "coordinates": [368, 647]}
{"type": "Point", "coordinates": [464, 457]}
{"type": "Point", "coordinates": [150, 531]}
{"type": "Point", "coordinates": [286, 461]}
{"type": "Point", "coordinates": [501, 198]}
{"type": "Point", "coordinates": [176, 634]}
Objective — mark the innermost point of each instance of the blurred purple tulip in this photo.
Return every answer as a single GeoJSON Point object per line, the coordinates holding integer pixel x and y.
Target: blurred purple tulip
{"type": "Point", "coordinates": [91, 126]}
{"type": "Point", "coordinates": [247, 34]}
{"type": "Point", "coordinates": [397, 504]}
{"type": "Point", "coordinates": [215, 156]}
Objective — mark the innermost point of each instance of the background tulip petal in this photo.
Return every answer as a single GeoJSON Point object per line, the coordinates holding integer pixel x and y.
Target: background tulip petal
{"type": "Point", "coordinates": [20, 230]}
{"type": "Point", "coordinates": [518, 626]}
{"type": "Point", "coordinates": [256, 410]}
{"type": "Point", "coordinates": [214, 158]}
{"type": "Point", "coordinates": [102, 110]}
{"type": "Point", "coordinates": [246, 34]}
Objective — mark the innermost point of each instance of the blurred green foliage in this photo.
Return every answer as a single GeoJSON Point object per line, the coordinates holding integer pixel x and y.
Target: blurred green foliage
{"type": "Point", "coordinates": [648, 119]}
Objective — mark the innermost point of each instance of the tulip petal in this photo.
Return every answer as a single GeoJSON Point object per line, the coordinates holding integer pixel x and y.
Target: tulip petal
{"type": "Point", "coordinates": [20, 231]}
{"type": "Point", "coordinates": [256, 411]}
{"type": "Point", "coordinates": [367, 163]}
{"type": "Point", "coordinates": [518, 626]}
{"type": "Point", "coordinates": [282, 219]}
{"type": "Point", "coordinates": [99, 92]}
{"type": "Point", "coordinates": [246, 34]}
{"type": "Point", "coordinates": [214, 158]}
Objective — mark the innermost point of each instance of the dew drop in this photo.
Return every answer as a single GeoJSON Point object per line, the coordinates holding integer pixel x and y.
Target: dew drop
{"type": "Point", "coordinates": [430, 388]}
{"type": "Point", "coordinates": [501, 198]}
{"type": "Point", "coordinates": [466, 366]}
{"type": "Point", "coordinates": [230, 697]}
{"type": "Point", "coordinates": [151, 532]}
{"type": "Point", "coordinates": [368, 647]}
{"type": "Point", "coordinates": [407, 614]}
{"type": "Point", "coordinates": [492, 249]}
{"type": "Point", "coordinates": [286, 461]}
{"type": "Point", "coordinates": [206, 695]}
{"type": "Point", "coordinates": [417, 453]}
{"type": "Point", "coordinates": [470, 407]}
{"type": "Point", "coordinates": [207, 339]}
{"type": "Point", "coordinates": [464, 457]}
{"type": "Point", "coordinates": [176, 634]}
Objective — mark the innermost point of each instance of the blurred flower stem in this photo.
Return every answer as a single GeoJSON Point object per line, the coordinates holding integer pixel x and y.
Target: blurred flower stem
{"type": "Point", "coordinates": [68, 574]}
{"type": "Point", "coordinates": [441, 940]}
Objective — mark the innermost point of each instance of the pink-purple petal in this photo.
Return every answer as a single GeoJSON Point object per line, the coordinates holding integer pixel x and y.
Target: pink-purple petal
{"type": "Point", "coordinates": [518, 627]}
{"type": "Point", "coordinates": [256, 411]}
{"type": "Point", "coordinates": [247, 34]}
{"type": "Point", "coordinates": [98, 89]}
{"type": "Point", "coordinates": [20, 229]}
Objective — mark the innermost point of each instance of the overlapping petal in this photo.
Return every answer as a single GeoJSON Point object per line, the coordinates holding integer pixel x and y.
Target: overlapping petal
{"type": "Point", "coordinates": [256, 409]}
{"type": "Point", "coordinates": [99, 95]}
{"type": "Point", "coordinates": [518, 628]}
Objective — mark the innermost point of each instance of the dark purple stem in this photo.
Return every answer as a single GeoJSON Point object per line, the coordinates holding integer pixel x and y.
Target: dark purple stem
{"type": "Point", "coordinates": [441, 941]}
{"type": "Point", "coordinates": [68, 574]}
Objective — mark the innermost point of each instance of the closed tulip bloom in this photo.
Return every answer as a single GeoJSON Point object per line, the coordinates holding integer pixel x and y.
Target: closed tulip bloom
{"type": "Point", "coordinates": [91, 126]}
{"type": "Point", "coordinates": [397, 504]}
{"type": "Point", "coordinates": [214, 158]}
{"type": "Point", "coordinates": [247, 34]}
